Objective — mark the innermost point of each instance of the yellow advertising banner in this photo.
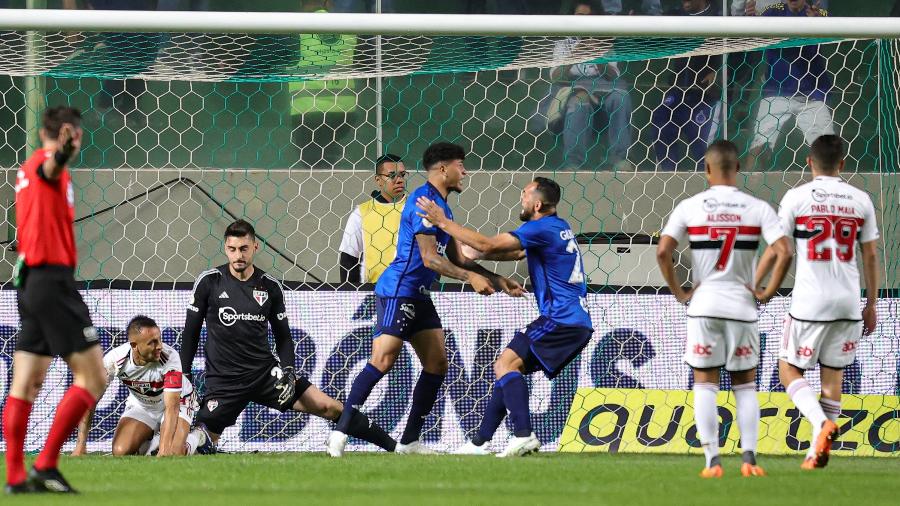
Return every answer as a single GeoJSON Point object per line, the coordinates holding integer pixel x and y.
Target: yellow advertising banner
{"type": "Point", "coordinates": [662, 421]}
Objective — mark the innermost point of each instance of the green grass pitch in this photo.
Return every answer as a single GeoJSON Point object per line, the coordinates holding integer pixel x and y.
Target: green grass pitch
{"type": "Point", "coordinates": [547, 478]}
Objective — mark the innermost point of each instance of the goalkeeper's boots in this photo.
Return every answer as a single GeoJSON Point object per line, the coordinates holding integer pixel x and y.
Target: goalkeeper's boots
{"type": "Point", "coordinates": [712, 472]}
{"type": "Point", "coordinates": [414, 448]}
{"type": "Point", "coordinates": [521, 446]}
{"type": "Point", "coordinates": [49, 480]}
{"type": "Point", "coordinates": [337, 440]}
{"type": "Point", "coordinates": [471, 448]}
{"type": "Point", "coordinates": [206, 446]}
{"type": "Point", "coordinates": [748, 470]}
{"type": "Point", "coordinates": [823, 443]}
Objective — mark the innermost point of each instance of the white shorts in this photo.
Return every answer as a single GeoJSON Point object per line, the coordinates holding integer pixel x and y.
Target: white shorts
{"type": "Point", "coordinates": [813, 118]}
{"type": "Point", "coordinates": [717, 342]}
{"type": "Point", "coordinates": [152, 416]}
{"type": "Point", "coordinates": [832, 344]}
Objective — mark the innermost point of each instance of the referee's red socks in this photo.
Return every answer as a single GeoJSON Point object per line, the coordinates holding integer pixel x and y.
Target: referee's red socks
{"type": "Point", "coordinates": [71, 409]}
{"type": "Point", "coordinates": [15, 424]}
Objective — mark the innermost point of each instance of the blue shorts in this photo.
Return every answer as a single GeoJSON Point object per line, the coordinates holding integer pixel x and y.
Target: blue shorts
{"type": "Point", "coordinates": [546, 346]}
{"type": "Point", "coordinates": [404, 317]}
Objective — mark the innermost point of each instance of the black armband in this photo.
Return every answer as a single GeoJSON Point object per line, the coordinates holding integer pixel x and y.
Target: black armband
{"type": "Point", "coordinates": [60, 158]}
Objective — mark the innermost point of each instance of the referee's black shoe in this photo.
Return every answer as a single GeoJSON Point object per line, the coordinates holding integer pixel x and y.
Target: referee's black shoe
{"type": "Point", "coordinates": [49, 480]}
{"type": "Point", "coordinates": [19, 488]}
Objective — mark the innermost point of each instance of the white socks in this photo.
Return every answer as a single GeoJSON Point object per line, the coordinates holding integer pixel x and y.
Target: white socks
{"type": "Point", "coordinates": [706, 416]}
{"type": "Point", "coordinates": [193, 440]}
{"type": "Point", "coordinates": [832, 410]}
{"type": "Point", "coordinates": [747, 404]}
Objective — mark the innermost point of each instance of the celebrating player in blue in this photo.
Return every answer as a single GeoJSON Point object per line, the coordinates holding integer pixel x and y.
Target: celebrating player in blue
{"type": "Point", "coordinates": [404, 308]}
{"type": "Point", "coordinates": [564, 326]}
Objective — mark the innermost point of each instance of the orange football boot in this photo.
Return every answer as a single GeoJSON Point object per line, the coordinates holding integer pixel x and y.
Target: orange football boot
{"type": "Point", "coordinates": [748, 470]}
{"type": "Point", "coordinates": [823, 442]}
{"type": "Point", "coordinates": [712, 472]}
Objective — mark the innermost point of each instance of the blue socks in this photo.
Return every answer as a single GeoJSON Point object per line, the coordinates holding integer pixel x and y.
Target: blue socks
{"type": "Point", "coordinates": [493, 416]}
{"type": "Point", "coordinates": [359, 392]}
{"type": "Point", "coordinates": [424, 396]}
{"type": "Point", "coordinates": [515, 396]}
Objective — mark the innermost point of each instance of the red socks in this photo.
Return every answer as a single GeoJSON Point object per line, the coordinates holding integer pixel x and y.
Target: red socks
{"type": "Point", "coordinates": [15, 425]}
{"type": "Point", "coordinates": [71, 409]}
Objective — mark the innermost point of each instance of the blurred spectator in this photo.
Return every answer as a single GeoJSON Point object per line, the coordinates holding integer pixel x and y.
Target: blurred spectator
{"type": "Point", "coordinates": [360, 6]}
{"type": "Point", "coordinates": [756, 7]}
{"type": "Point", "coordinates": [691, 108]}
{"type": "Point", "coordinates": [579, 93]}
{"type": "Point", "coordinates": [797, 86]}
{"type": "Point", "coordinates": [648, 7]}
{"type": "Point", "coordinates": [369, 243]}
{"type": "Point", "coordinates": [129, 54]}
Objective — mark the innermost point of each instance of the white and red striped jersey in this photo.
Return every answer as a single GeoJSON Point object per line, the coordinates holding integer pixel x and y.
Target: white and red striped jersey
{"type": "Point", "coordinates": [724, 226]}
{"type": "Point", "coordinates": [828, 218]}
{"type": "Point", "coordinates": [147, 382]}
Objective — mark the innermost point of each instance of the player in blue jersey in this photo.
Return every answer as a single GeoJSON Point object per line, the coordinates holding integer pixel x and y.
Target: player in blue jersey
{"type": "Point", "coordinates": [564, 326]}
{"type": "Point", "coordinates": [404, 308]}
{"type": "Point", "coordinates": [797, 86]}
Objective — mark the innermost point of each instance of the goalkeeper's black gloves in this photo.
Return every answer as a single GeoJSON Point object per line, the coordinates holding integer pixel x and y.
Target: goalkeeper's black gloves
{"type": "Point", "coordinates": [285, 383]}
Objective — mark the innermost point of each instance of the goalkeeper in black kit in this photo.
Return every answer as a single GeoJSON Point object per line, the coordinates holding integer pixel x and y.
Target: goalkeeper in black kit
{"type": "Point", "coordinates": [239, 302]}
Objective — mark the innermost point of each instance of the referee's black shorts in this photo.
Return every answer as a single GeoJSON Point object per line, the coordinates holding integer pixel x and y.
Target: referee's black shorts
{"type": "Point", "coordinates": [55, 320]}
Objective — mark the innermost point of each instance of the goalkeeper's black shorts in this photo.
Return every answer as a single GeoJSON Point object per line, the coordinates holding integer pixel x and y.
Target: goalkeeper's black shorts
{"type": "Point", "coordinates": [224, 402]}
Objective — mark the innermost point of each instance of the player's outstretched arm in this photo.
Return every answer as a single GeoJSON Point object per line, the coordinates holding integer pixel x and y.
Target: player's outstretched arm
{"type": "Point", "coordinates": [167, 447]}
{"type": "Point", "coordinates": [664, 252]}
{"type": "Point", "coordinates": [508, 286]}
{"type": "Point", "coordinates": [777, 260]}
{"type": "Point", "coordinates": [438, 263]}
{"type": "Point", "coordinates": [496, 245]}
{"type": "Point", "coordinates": [84, 429]}
{"type": "Point", "coordinates": [873, 283]}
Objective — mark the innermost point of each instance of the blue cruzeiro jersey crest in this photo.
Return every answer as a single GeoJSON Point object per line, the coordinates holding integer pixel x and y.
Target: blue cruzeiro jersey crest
{"type": "Point", "coordinates": [555, 269]}
{"type": "Point", "coordinates": [407, 275]}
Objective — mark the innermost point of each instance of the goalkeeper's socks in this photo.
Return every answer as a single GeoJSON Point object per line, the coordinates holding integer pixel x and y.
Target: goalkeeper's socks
{"type": "Point", "coordinates": [515, 397]}
{"type": "Point", "coordinates": [362, 386]}
{"type": "Point", "coordinates": [424, 396]}
{"type": "Point", "coordinates": [747, 404]}
{"type": "Point", "coordinates": [363, 428]}
{"type": "Point", "coordinates": [15, 426]}
{"type": "Point", "coordinates": [706, 416]}
{"type": "Point", "coordinates": [71, 409]}
{"type": "Point", "coordinates": [493, 416]}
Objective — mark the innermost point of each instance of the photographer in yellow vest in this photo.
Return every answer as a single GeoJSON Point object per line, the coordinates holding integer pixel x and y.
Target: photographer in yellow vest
{"type": "Point", "coordinates": [370, 237]}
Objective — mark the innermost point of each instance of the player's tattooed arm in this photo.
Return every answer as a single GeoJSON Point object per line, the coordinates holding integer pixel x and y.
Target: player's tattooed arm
{"type": "Point", "coordinates": [440, 264]}
{"type": "Point", "coordinates": [506, 285]}
{"type": "Point", "coordinates": [870, 274]}
{"type": "Point", "coordinates": [498, 244]}
{"type": "Point", "coordinates": [664, 252]}
{"type": "Point", "coordinates": [169, 424]}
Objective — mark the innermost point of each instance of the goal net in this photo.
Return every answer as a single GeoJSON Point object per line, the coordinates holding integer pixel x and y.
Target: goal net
{"type": "Point", "coordinates": [186, 132]}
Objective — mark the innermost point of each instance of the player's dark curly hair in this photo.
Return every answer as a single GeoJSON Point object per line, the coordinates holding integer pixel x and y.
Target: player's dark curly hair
{"type": "Point", "coordinates": [549, 191]}
{"type": "Point", "coordinates": [54, 117]}
{"type": "Point", "coordinates": [827, 151]}
{"type": "Point", "coordinates": [240, 228]}
{"type": "Point", "coordinates": [442, 152]}
{"type": "Point", "coordinates": [139, 323]}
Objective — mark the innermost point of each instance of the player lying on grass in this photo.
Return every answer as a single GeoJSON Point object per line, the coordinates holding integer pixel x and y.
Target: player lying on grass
{"type": "Point", "coordinates": [722, 226]}
{"type": "Point", "coordinates": [239, 302]}
{"type": "Point", "coordinates": [405, 312]}
{"type": "Point", "coordinates": [161, 402]}
{"type": "Point", "coordinates": [828, 219]}
{"type": "Point", "coordinates": [564, 326]}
